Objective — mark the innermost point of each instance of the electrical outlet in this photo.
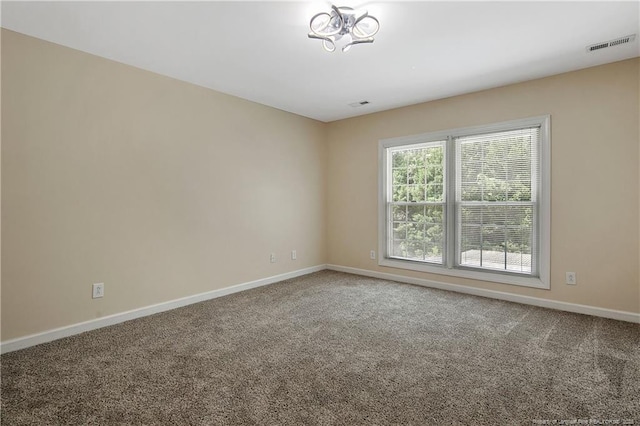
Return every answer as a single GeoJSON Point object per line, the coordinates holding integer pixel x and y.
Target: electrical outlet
{"type": "Point", "coordinates": [98, 290]}
{"type": "Point", "coordinates": [294, 255]}
{"type": "Point", "coordinates": [273, 258]}
{"type": "Point", "coordinates": [571, 278]}
{"type": "Point", "coordinates": [372, 254]}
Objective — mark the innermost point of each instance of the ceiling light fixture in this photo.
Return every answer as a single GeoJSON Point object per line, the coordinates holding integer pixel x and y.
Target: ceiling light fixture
{"type": "Point", "coordinates": [344, 26]}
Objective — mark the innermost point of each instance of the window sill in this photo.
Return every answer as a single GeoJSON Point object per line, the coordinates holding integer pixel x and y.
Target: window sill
{"type": "Point", "coordinates": [522, 281]}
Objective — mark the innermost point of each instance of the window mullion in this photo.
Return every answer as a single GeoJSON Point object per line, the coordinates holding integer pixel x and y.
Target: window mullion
{"type": "Point", "coordinates": [450, 200]}
{"type": "Point", "coordinates": [535, 188]}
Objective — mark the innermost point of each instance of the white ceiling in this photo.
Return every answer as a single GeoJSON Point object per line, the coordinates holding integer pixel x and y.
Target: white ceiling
{"type": "Point", "coordinates": [260, 50]}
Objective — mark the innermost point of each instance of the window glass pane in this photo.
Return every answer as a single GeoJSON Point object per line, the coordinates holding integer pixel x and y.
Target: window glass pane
{"type": "Point", "coordinates": [398, 248]}
{"type": "Point", "coordinates": [434, 233]}
{"type": "Point", "coordinates": [519, 249]}
{"type": "Point", "coordinates": [417, 173]}
{"type": "Point", "coordinates": [407, 241]}
{"type": "Point", "coordinates": [496, 237]}
{"type": "Point", "coordinates": [399, 212]}
{"type": "Point", "coordinates": [493, 252]}
{"type": "Point", "coordinates": [496, 167]}
{"type": "Point", "coordinates": [399, 193]}
{"type": "Point", "coordinates": [434, 243]}
{"type": "Point", "coordinates": [416, 193]}
{"type": "Point", "coordinates": [398, 159]}
{"type": "Point", "coordinates": [434, 165]}
{"type": "Point", "coordinates": [497, 175]}
{"type": "Point", "coordinates": [435, 192]}
{"type": "Point", "coordinates": [400, 176]}
{"type": "Point", "coordinates": [399, 230]}
{"type": "Point", "coordinates": [470, 245]}
{"type": "Point", "coordinates": [415, 213]}
{"type": "Point", "coordinates": [421, 235]}
{"type": "Point", "coordinates": [415, 241]}
{"type": "Point", "coordinates": [417, 177]}
{"type": "Point", "coordinates": [434, 214]}
{"type": "Point", "coordinates": [519, 171]}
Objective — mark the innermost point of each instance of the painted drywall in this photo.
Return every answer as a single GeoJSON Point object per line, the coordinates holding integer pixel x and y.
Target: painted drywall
{"type": "Point", "coordinates": [0, 189]}
{"type": "Point", "coordinates": [157, 188]}
{"type": "Point", "coordinates": [162, 189]}
{"type": "Point", "coordinates": [594, 178]}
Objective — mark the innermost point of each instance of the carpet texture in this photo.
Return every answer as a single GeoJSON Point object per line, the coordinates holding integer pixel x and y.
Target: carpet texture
{"type": "Point", "coordinates": [333, 349]}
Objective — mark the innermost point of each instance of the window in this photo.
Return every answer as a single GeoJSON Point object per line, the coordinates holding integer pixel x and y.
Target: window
{"type": "Point", "coordinates": [470, 202]}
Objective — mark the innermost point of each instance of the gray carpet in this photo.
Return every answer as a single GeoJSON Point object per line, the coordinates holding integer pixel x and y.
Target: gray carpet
{"type": "Point", "coordinates": [333, 349]}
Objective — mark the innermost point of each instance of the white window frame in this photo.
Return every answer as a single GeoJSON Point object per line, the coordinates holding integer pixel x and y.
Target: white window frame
{"type": "Point", "coordinates": [543, 249]}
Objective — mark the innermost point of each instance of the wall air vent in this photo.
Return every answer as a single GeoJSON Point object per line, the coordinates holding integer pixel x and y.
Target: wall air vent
{"type": "Point", "coordinates": [611, 43]}
{"type": "Point", "coordinates": [359, 104]}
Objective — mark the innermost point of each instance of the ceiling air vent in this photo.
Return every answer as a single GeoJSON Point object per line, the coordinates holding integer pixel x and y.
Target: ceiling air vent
{"type": "Point", "coordinates": [611, 43]}
{"type": "Point", "coordinates": [359, 104]}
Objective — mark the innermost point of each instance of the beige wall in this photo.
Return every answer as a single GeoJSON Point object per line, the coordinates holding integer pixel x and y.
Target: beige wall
{"type": "Point", "coordinates": [158, 188]}
{"type": "Point", "coordinates": [594, 182]}
{"type": "Point", "coordinates": [1, 33]}
{"type": "Point", "coordinates": [162, 189]}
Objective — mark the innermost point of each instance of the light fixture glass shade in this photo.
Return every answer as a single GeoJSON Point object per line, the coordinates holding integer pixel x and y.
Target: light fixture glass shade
{"type": "Point", "coordinates": [344, 26]}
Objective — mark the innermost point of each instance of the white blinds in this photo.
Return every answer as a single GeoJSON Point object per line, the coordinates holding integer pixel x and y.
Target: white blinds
{"type": "Point", "coordinates": [497, 184]}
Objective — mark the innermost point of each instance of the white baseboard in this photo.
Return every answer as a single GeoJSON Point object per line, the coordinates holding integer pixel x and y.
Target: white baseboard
{"type": "Point", "coordinates": [59, 333]}
{"type": "Point", "coordinates": [527, 300]}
